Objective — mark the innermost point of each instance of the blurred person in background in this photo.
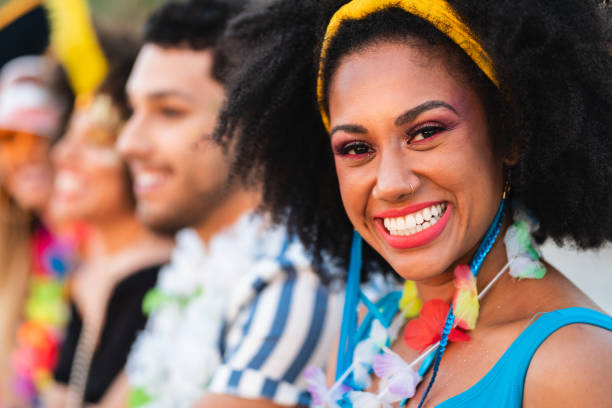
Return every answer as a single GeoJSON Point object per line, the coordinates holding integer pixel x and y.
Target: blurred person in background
{"type": "Point", "coordinates": [238, 313]}
{"type": "Point", "coordinates": [122, 257]}
{"type": "Point", "coordinates": [35, 101]}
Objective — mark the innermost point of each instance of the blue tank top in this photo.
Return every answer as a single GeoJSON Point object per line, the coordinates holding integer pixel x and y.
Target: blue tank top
{"type": "Point", "coordinates": [503, 384]}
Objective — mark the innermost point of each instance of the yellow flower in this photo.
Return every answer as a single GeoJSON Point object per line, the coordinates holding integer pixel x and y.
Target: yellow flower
{"type": "Point", "coordinates": [410, 303]}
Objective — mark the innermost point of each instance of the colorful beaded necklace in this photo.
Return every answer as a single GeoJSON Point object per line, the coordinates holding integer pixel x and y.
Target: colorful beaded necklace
{"type": "Point", "coordinates": [365, 349]}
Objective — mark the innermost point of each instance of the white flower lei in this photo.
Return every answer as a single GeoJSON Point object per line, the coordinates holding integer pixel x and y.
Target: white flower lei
{"type": "Point", "coordinates": [174, 358]}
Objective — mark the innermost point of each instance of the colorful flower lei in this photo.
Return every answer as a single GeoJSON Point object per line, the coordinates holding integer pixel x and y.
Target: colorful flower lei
{"type": "Point", "coordinates": [399, 379]}
{"type": "Point", "coordinates": [46, 311]}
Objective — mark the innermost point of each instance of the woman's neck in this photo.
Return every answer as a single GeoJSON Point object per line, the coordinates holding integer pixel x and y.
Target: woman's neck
{"type": "Point", "coordinates": [443, 286]}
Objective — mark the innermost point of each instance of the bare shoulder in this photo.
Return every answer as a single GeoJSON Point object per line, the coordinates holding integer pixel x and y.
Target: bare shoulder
{"type": "Point", "coordinates": [573, 367]}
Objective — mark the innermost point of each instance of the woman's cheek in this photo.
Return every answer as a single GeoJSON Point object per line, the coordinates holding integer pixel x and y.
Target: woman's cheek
{"type": "Point", "coordinates": [354, 192]}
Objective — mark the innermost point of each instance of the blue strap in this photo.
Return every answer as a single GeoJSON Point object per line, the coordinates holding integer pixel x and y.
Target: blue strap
{"type": "Point", "coordinates": [524, 347]}
{"type": "Point", "coordinates": [349, 313]}
{"type": "Point", "coordinates": [506, 380]}
{"type": "Point", "coordinates": [386, 308]}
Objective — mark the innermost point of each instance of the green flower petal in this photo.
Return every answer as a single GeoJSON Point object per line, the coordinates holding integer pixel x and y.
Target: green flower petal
{"type": "Point", "coordinates": [536, 271]}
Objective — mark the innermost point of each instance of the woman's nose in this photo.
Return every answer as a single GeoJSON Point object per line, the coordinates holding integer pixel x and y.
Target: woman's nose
{"type": "Point", "coordinates": [395, 180]}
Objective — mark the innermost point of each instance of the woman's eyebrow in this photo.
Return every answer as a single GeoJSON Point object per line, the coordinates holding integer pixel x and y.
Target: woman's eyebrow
{"type": "Point", "coordinates": [413, 113]}
{"type": "Point", "coordinates": [349, 129]}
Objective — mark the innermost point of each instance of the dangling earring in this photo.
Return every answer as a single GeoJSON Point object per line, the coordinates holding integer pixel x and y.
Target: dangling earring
{"type": "Point", "coordinates": [507, 183]}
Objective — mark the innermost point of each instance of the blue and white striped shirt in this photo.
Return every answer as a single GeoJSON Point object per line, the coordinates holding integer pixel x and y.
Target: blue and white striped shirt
{"type": "Point", "coordinates": [287, 322]}
{"type": "Point", "coordinates": [278, 317]}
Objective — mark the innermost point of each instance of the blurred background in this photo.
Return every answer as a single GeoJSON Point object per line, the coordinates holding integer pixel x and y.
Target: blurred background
{"type": "Point", "coordinates": [124, 15]}
{"type": "Point", "coordinates": [591, 271]}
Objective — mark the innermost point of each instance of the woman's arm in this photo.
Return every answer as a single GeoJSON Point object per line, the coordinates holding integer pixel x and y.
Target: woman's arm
{"type": "Point", "coordinates": [117, 394]}
{"type": "Point", "coordinates": [572, 368]}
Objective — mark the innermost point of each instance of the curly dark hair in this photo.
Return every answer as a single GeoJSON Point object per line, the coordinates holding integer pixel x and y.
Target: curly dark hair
{"type": "Point", "coordinates": [195, 24]}
{"type": "Point", "coordinates": [553, 108]}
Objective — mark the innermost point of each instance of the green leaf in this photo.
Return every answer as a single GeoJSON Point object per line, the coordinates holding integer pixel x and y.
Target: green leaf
{"type": "Point", "coordinates": [153, 300]}
{"type": "Point", "coordinates": [138, 397]}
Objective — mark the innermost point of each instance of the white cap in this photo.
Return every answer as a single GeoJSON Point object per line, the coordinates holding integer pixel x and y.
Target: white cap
{"type": "Point", "coordinates": [27, 100]}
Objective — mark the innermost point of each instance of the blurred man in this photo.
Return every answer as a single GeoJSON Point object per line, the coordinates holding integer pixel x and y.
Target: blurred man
{"type": "Point", "coordinates": [238, 314]}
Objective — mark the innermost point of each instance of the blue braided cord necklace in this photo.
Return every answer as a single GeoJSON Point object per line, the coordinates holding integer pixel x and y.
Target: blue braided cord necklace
{"type": "Point", "coordinates": [386, 308]}
{"type": "Point", "coordinates": [475, 265]}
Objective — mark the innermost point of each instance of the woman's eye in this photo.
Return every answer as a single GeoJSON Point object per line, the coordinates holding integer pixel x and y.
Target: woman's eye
{"type": "Point", "coordinates": [424, 133]}
{"type": "Point", "coordinates": [356, 149]}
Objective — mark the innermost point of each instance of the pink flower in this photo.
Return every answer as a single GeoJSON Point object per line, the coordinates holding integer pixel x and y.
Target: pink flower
{"type": "Point", "coordinates": [396, 375]}
{"type": "Point", "coordinates": [322, 395]}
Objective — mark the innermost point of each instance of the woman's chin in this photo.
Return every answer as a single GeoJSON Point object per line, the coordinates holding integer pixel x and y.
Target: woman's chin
{"type": "Point", "coordinates": [418, 271]}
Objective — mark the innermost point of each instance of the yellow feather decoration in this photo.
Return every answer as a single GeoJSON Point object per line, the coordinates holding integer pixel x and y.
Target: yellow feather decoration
{"type": "Point", "coordinates": [465, 301]}
{"type": "Point", "coordinates": [74, 42]}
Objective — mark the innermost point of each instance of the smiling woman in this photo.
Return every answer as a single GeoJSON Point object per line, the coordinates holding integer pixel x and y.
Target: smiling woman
{"type": "Point", "coordinates": [458, 130]}
{"type": "Point", "coordinates": [420, 152]}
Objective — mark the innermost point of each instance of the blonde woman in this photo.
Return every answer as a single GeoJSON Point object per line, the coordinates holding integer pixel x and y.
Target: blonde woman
{"type": "Point", "coordinates": [34, 103]}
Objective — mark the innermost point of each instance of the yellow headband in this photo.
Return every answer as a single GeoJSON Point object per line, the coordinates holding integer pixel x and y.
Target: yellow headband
{"type": "Point", "coordinates": [438, 12]}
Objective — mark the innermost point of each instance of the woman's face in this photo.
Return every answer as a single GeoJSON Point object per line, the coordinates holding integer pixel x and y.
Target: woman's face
{"type": "Point", "coordinates": [410, 144]}
{"type": "Point", "coordinates": [90, 181]}
{"type": "Point", "coordinates": [25, 169]}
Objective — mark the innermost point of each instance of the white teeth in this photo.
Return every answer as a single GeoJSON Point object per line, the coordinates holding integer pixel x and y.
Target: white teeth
{"type": "Point", "coordinates": [148, 179]}
{"type": "Point", "coordinates": [419, 218]}
{"type": "Point", "coordinates": [415, 222]}
{"type": "Point", "coordinates": [410, 222]}
{"type": "Point", "coordinates": [399, 223]}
